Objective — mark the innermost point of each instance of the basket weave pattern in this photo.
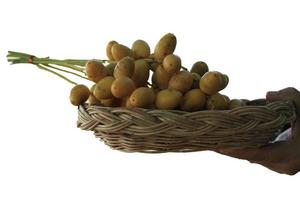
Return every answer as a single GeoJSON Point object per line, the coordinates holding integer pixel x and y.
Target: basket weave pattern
{"type": "Point", "coordinates": [156, 131]}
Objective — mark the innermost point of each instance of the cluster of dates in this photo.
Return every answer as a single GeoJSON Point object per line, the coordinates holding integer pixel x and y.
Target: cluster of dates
{"type": "Point", "coordinates": [124, 81]}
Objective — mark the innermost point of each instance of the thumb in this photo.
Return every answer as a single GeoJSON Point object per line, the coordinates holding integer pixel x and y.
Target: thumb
{"type": "Point", "coordinates": [289, 93]}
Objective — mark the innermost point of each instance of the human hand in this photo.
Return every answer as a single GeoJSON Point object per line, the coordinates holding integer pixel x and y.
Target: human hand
{"type": "Point", "coordinates": [282, 157]}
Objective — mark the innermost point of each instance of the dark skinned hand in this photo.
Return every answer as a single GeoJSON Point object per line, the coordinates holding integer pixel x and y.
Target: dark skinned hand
{"type": "Point", "coordinates": [282, 157]}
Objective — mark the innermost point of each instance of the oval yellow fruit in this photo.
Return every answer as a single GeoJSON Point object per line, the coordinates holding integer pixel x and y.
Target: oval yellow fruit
{"type": "Point", "coordinates": [172, 63]}
{"type": "Point", "coordinates": [217, 102]}
{"type": "Point", "coordinates": [142, 97]}
{"type": "Point", "coordinates": [168, 99]}
{"type": "Point", "coordinates": [103, 88]}
{"type": "Point", "coordinates": [200, 68]}
{"type": "Point", "coordinates": [95, 70]}
{"type": "Point", "coordinates": [120, 51]}
{"type": "Point", "coordinates": [108, 49]}
{"type": "Point", "coordinates": [165, 46]}
{"type": "Point", "coordinates": [141, 49]}
{"type": "Point", "coordinates": [79, 94]}
{"type": "Point", "coordinates": [193, 100]}
{"type": "Point", "coordinates": [125, 67]}
{"type": "Point", "coordinates": [122, 87]}
{"type": "Point", "coordinates": [141, 73]}
{"type": "Point", "coordinates": [181, 81]}
{"type": "Point", "coordinates": [211, 82]}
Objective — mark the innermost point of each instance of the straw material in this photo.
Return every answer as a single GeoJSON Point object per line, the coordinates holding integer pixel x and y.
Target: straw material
{"type": "Point", "coordinates": [157, 131]}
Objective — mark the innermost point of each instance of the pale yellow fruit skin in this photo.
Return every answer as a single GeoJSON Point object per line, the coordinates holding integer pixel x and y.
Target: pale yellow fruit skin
{"type": "Point", "coordinates": [141, 49]}
{"type": "Point", "coordinates": [217, 102]}
{"type": "Point", "coordinates": [79, 94]}
{"type": "Point", "coordinates": [141, 73]}
{"type": "Point", "coordinates": [172, 63]}
{"type": "Point", "coordinates": [92, 100]}
{"type": "Point", "coordinates": [95, 70]}
{"type": "Point", "coordinates": [211, 82]}
{"type": "Point", "coordinates": [125, 67]}
{"type": "Point", "coordinates": [236, 103]}
{"type": "Point", "coordinates": [122, 87]}
{"type": "Point", "coordinates": [161, 78]}
{"type": "Point", "coordinates": [142, 97]}
{"type": "Point", "coordinates": [165, 46]}
{"type": "Point", "coordinates": [200, 68]}
{"type": "Point", "coordinates": [181, 81]}
{"type": "Point", "coordinates": [120, 51]}
{"type": "Point", "coordinates": [108, 49]}
{"type": "Point", "coordinates": [103, 88]}
{"type": "Point", "coordinates": [110, 69]}
{"type": "Point", "coordinates": [193, 100]}
{"type": "Point", "coordinates": [168, 99]}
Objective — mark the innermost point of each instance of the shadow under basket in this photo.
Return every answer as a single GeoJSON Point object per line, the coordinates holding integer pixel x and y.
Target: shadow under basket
{"type": "Point", "coordinates": [158, 131]}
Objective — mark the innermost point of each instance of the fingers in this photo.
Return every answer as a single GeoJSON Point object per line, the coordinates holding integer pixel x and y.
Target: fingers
{"type": "Point", "coordinates": [283, 94]}
{"type": "Point", "coordinates": [289, 93]}
{"type": "Point", "coordinates": [272, 157]}
{"type": "Point", "coordinates": [268, 153]}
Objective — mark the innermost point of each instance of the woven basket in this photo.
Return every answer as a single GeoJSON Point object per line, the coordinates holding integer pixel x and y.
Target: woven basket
{"type": "Point", "coordinates": [157, 131]}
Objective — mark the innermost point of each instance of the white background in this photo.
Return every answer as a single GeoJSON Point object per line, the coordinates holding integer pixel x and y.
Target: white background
{"type": "Point", "coordinates": [44, 156]}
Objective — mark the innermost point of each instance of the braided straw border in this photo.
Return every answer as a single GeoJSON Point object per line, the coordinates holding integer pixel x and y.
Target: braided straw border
{"type": "Point", "coordinates": [157, 131]}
